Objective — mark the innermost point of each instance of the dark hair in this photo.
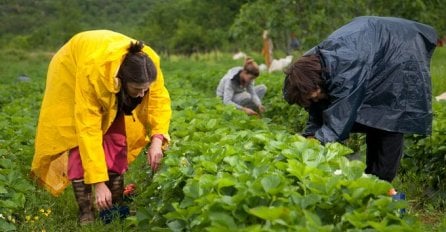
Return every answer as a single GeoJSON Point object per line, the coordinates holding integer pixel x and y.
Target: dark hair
{"type": "Point", "coordinates": [302, 78]}
{"type": "Point", "coordinates": [137, 67]}
{"type": "Point", "coordinates": [251, 67]}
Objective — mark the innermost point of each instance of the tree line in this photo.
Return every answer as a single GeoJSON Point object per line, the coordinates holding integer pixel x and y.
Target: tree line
{"type": "Point", "coordinates": [188, 26]}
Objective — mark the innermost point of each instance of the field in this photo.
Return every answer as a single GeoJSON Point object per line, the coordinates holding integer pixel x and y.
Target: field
{"type": "Point", "coordinates": [224, 170]}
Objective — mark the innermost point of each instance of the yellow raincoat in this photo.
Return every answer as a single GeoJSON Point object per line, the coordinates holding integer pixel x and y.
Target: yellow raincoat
{"type": "Point", "coordinates": [80, 105]}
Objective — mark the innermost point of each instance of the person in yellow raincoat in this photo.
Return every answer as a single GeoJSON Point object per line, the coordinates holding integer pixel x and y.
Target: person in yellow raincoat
{"type": "Point", "coordinates": [104, 101]}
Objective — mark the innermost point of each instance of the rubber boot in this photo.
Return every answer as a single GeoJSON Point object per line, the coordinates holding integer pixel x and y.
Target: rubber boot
{"type": "Point", "coordinates": [116, 185]}
{"type": "Point", "coordinates": [83, 195]}
{"type": "Point", "coordinates": [119, 210]}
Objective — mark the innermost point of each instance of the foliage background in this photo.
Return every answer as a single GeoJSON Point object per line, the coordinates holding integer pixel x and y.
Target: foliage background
{"type": "Point", "coordinates": [187, 26]}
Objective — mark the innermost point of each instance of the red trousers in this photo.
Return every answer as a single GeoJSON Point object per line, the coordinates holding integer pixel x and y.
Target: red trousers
{"type": "Point", "coordinates": [115, 149]}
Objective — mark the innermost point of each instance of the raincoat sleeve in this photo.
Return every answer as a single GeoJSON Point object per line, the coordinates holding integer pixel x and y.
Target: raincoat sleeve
{"type": "Point", "coordinates": [314, 122]}
{"type": "Point", "coordinates": [345, 84]}
{"type": "Point", "coordinates": [88, 119]}
{"type": "Point", "coordinates": [159, 105]}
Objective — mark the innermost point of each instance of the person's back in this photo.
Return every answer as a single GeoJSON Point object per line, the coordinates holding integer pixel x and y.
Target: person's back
{"type": "Point", "coordinates": [224, 80]}
{"type": "Point", "coordinates": [370, 76]}
{"type": "Point", "coordinates": [384, 56]}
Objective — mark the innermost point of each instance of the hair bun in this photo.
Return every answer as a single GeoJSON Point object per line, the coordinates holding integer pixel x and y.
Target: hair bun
{"type": "Point", "coordinates": [136, 47]}
{"type": "Point", "coordinates": [249, 60]}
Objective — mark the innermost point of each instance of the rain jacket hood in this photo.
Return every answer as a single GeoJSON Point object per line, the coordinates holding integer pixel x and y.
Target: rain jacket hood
{"type": "Point", "coordinates": [80, 104]}
{"type": "Point", "coordinates": [376, 74]}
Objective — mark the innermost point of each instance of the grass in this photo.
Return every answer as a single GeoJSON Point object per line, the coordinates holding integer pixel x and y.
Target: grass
{"type": "Point", "coordinates": [438, 71]}
{"type": "Point", "coordinates": [63, 214]}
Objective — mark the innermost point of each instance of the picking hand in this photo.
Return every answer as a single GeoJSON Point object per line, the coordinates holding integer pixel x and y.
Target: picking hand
{"type": "Point", "coordinates": [103, 196]}
{"type": "Point", "coordinates": [155, 154]}
{"type": "Point", "coordinates": [249, 111]}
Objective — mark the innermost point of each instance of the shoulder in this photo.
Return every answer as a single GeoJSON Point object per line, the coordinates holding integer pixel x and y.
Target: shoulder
{"type": "Point", "coordinates": [232, 72]}
{"type": "Point", "coordinates": [235, 69]}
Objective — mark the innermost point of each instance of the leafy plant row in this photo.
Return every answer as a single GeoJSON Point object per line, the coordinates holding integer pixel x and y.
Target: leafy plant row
{"type": "Point", "coordinates": [18, 106]}
{"type": "Point", "coordinates": [226, 171]}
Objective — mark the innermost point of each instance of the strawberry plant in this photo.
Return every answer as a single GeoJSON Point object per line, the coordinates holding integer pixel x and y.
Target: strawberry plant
{"type": "Point", "coordinates": [15, 146]}
{"type": "Point", "coordinates": [227, 171]}
{"type": "Point", "coordinates": [19, 103]}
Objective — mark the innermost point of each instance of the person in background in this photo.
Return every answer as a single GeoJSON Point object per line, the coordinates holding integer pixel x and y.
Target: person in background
{"type": "Point", "coordinates": [267, 49]}
{"type": "Point", "coordinates": [104, 101]}
{"type": "Point", "coordinates": [294, 43]}
{"type": "Point", "coordinates": [370, 76]}
{"type": "Point", "coordinates": [237, 88]}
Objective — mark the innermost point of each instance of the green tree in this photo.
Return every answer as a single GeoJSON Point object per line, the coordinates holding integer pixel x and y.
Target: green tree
{"type": "Point", "coordinates": [312, 21]}
{"type": "Point", "coordinates": [187, 26]}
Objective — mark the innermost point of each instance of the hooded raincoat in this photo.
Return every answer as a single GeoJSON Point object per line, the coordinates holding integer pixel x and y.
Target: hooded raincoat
{"type": "Point", "coordinates": [376, 72]}
{"type": "Point", "coordinates": [80, 104]}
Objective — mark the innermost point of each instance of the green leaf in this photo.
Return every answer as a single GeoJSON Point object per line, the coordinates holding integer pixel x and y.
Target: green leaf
{"type": "Point", "coordinates": [211, 124]}
{"type": "Point", "coordinates": [6, 163]}
{"type": "Point", "coordinates": [300, 170]}
{"type": "Point", "coordinates": [222, 219]}
{"type": "Point", "coordinates": [177, 225]}
{"type": "Point", "coordinates": [312, 218]}
{"type": "Point", "coordinates": [271, 183]}
{"type": "Point", "coordinates": [352, 169]}
{"type": "Point", "coordinates": [192, 189]}
{"type": "Point", "coordinates": [310, 200]}
{"type": "Point", "coordinates": [3, 190]}
{"type": "Point", "coordinates": [269, 213]}
{"type": "Point", "coordinates": [337, 149]}
{"type": "Point", "coordinates": [209, 166]}
{"type": "Point", "coordinates": [5, 226]}
{"type": "Point", "coordinates": [224, 182]}
{"type": "Point", "coordinates": [19, 199]}
{"type": "Point", "coordinates": [8, 204]}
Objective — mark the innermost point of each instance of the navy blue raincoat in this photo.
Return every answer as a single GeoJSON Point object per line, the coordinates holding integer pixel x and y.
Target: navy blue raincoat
{"type": "Point", "coordinates": [377, 74]}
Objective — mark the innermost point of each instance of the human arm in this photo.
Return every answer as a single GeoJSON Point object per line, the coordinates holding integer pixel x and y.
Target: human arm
{"type": "Point", "coordinates": [314, 121]}
{"type": "Point", "coordinates": [159, 106]}
{"type": "Point", "coordinates": [88, 120]}
{"type": "Point", "coordinates": [160, 112]}
{"type": "Point", "coordinates": [155, 152]}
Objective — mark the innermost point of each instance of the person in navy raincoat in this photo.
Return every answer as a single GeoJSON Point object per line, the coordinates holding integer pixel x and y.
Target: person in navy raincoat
{"type": "Point", "coordinates": [370, 76]}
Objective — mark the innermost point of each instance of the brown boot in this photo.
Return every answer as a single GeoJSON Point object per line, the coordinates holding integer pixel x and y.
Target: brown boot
{"type": "Point", "coordinates": [84, 200]}
{"type": "Point", "coordinates": [116, 185]}
{"type": "Point", "coordinates": [119, 210]}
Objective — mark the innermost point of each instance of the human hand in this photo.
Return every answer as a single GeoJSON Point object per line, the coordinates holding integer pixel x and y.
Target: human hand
{"type": "Point", "coordinates": [261, 108]}
{"type": "Point", "coordinates": [249, 111]}
{"type": "Point", "coordinates": [155, 154]}
{"type": "Point", "coordinates": [103, 196]}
